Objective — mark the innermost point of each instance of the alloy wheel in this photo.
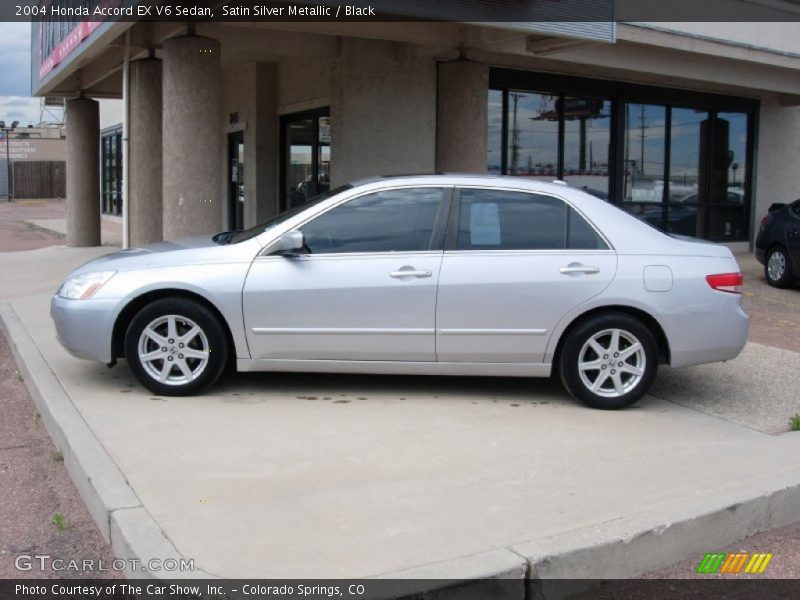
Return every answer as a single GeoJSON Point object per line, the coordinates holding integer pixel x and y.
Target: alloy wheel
{"type": "Point", "coordinates": [611, 363]}
{"type": "Point", "coordinates": [776, 265]}
{"type": "Point", "coordinates": [173, 350]}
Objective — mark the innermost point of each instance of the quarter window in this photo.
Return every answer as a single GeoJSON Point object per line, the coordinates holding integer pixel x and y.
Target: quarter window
{"type": "Point", "coordinates": [400, 220]}
{"type": "Point", "coordinates": [500, 220]}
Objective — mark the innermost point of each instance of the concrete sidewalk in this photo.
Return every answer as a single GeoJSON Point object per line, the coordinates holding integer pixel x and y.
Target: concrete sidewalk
{"type": "Point", "coordinates": [341, 476]}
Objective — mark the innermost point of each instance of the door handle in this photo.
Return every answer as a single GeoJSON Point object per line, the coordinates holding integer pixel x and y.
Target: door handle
{"type": "Point", "coordinates": [409, 272]}
{"type": "Point", "coordinates": [569, 270]}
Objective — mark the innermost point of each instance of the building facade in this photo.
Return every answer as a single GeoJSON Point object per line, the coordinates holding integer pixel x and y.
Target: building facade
{"type": "Point", "coordinates": [692, 126]}
{"type": "Point", "coordinates": [32, 162]}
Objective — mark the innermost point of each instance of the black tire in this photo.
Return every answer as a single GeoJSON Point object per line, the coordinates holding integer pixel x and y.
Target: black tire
{"type": "Point", "coordinates": [779, 273]}
{"type": "Point", "coordinates": [578, 349]}
{"type": "Point", "coordinates": [208, 347]}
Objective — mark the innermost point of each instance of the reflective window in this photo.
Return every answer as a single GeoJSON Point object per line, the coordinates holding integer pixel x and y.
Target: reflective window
{"type": "Point", "coordinates": [494, 159]}
{"type": "Point", "coordinates": [689, 162]}
{"type": "Point", "coordinates": [681, 167]}
{"type": "Point", "coordinates": [387, 221]}
{"type": "Point", "coordinates": [306, 156]}
{"type": "Point", "coordinates": [587, 137]}
{"type": "Point", "coordinates": [727, 218]}
{"type": "Point", "coordinates": [533, 135]}
{"type": "Point", "coordinates": [643, 169]}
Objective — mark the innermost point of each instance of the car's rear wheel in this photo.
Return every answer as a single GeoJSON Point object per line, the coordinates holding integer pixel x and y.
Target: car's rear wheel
{"type": "Point", "coordinates": [777, 270]}
{"type": "Point", "coordinates": [609, 361]}
{"type": "Point", "coordinates": [176, 347]}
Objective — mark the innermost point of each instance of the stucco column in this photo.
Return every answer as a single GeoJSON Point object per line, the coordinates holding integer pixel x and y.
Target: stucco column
{"type": "Point", "coordinates": [83, 172]}
{"type": "Point", "coordinates": [144, 147]}
{"type": "Point", "coordinates": [461, 117]}
{"type": "Point", "coordinates": [192, 130]}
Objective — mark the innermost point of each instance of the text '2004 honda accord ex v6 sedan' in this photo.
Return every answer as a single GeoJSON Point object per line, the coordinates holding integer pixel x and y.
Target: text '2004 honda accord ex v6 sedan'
{"type": "Point", "coordinates": [455, 275]}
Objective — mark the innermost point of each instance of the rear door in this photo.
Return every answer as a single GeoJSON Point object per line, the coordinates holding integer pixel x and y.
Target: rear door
{"type": "Point", "coordinates": [515, 263]}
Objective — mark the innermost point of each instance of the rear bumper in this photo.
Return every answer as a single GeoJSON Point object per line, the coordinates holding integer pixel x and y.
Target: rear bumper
{"type": "Point", "coordinates": [709, 336]}
{"type": "Point", "coordinates": [84, 327]}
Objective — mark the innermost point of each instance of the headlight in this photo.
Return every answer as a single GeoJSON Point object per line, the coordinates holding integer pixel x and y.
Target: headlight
{"type": "Point", "coordinates": [83, 287]}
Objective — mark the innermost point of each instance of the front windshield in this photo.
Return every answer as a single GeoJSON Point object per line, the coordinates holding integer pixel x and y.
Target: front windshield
{"type": "Point", "coordinates": [248, 234]}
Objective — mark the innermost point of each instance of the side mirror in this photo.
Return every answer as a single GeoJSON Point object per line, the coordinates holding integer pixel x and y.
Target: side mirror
{"type": "Point", "coordinates": [290, 243]}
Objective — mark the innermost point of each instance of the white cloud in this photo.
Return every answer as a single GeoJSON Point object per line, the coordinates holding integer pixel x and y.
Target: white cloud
{"type": "Point", "coordinates": [19, 108]}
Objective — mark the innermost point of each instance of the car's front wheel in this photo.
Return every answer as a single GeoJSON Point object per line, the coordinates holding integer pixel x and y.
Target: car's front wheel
{"type": "Point", "coordinates": [609, 361]}
{"type": "Point", "coordinates": [176, 347]}
{"type": "Point", "coordinates": [777, 270]}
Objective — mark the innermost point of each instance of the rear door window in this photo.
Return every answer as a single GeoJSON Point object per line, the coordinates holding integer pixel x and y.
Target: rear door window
{"type": "Point", "coordinates": [503, 220]}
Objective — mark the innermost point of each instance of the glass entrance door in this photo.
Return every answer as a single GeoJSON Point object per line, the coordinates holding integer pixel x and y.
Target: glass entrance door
{"type": "Point", "coordinates": [236, 180]}
{"type": "Point", "coordinates": [306, 156]}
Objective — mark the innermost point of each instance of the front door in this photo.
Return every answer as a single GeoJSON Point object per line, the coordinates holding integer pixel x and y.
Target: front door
{"type": "Point", "coordinates": [236, 180]}
{"type": "Point", "coordinates": [364, 290]}
{"type": "Point", "coordinates": [514, 265]}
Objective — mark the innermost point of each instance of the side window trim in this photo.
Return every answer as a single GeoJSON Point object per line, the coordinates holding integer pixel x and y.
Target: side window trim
{"type": "Point", "coordinates": [451, 241]}
{"type": "Point", "coordinates": [442, 223]}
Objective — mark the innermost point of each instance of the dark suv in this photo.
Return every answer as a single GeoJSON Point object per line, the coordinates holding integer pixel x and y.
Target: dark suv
{"type": "Point", "coordinates": [778, 244]}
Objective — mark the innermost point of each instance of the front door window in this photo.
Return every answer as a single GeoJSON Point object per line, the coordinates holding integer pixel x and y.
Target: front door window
{"type": "Point", "coordinates": [400, 220]}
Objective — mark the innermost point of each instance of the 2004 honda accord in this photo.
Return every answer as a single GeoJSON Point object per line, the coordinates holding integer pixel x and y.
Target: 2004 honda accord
{"type": "Point", "coordinates": [456, 275]}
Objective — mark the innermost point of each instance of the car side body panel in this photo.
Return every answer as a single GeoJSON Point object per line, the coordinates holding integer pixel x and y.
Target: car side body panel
{"type": "Point", "coordinates": [491, 318]}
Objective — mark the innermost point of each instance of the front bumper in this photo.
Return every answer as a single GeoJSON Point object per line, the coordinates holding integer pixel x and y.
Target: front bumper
{"type": "Point", "coordinates": [84, 327]}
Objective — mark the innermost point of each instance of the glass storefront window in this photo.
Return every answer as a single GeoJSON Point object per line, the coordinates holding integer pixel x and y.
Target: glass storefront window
{"type": "Point", "coordinates": [688, 170]}
{"type": "Point", "coordinates": [494, 136]}
{"type": "Point", "coordinates": [727, 216]}
{"type": "Point", "coordinates": [645, 143]}
{"type": "Point", "coordinates": [533, 135]}
{"type": "Point", "coordinates": [587, 137]}
{"type": "Point", "coordinates": [677, 159]}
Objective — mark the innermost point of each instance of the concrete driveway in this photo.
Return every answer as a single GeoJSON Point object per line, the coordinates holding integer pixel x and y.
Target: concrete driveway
{"type": "Point", "coordinates": [341, 476]}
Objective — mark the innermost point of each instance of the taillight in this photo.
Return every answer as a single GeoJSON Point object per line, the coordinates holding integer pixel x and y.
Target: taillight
{"type": "Point", "coordinates": [726, 282]}
{"type": "Point", "coordinates": [766, 221]}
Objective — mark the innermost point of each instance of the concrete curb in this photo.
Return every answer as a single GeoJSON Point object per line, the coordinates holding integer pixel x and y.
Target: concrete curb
{"type": "Point", "coordinates": [630, 547]}
{"type": "Point", "coordinates": [122, 519]}
{"type": "Point", "coordinates": [44, 229]}
{"type": "Point", "coordinates": [499, 574]}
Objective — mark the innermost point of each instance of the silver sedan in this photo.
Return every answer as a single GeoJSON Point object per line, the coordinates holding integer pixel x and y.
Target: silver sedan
{"type": "Point", "coordinates": [452, 275]}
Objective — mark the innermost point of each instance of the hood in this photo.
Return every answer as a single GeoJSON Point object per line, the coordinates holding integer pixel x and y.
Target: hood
{"type": "Point", "coordinates": [189, 251]}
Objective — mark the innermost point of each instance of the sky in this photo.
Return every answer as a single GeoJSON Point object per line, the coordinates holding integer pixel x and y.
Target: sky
{"type": "Point", "coordinates": [15, 79]}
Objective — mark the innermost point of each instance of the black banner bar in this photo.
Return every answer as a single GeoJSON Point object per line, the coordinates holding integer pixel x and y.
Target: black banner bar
{"type": "Point", "coordinates": [713, 587]}
{"type": "Point", "coordinates": [486, 11]}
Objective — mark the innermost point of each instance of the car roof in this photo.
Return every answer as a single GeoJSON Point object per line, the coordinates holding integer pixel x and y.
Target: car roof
{"type": "Point", "coordinates": [555, 185]}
